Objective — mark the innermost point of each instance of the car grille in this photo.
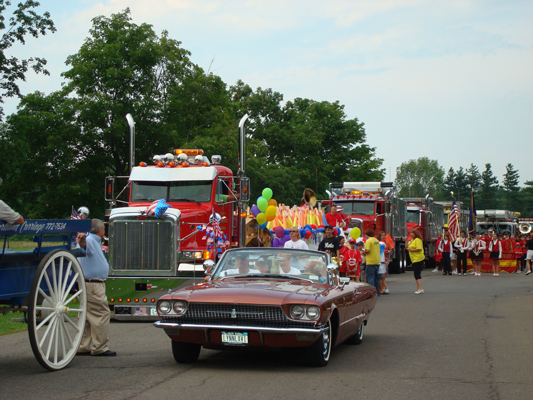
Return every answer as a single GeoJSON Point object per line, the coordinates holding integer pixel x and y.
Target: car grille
{"type": "Point", "coordinates": [237, 315]}
{"type": "Point", "coordinates": [141, 245]}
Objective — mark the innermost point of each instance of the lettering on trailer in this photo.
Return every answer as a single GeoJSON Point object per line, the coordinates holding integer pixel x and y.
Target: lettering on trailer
{"type": "Point", "coordinates": [34, 227]}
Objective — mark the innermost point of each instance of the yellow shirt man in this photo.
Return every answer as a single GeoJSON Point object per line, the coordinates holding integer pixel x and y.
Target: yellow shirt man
{"type": "Point", "coordinates": [373, 257]}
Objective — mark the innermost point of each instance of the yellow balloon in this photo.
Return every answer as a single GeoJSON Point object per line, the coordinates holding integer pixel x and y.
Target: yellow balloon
{"type": "Point", "coordinates": [355, 233]}
{"type": "Point", "coordinates": [271, 218]}
{"type": "Point", "coordinates": [270, 212]}
{"type": "Point", "coordinates": [261, 218]}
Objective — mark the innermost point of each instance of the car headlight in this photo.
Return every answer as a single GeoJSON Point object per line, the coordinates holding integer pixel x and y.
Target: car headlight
{"type": "Point", "coordinates": [313, 312]}
{"type": "Point", "coordinates": [164, 307]}
{"type": "Point", "coordinates": [187, 254]}
{"type": "Point", "coordinates": [180, 307]}
{"type": "Point", "coordinates": [297, 312]}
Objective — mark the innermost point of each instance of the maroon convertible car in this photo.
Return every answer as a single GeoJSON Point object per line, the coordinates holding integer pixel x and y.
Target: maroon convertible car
{"type": "Point", "coordinates": [267, 297]}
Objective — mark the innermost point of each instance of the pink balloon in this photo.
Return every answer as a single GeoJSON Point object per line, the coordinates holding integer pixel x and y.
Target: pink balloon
{"type": "Point", "coordinates": [279, 231]}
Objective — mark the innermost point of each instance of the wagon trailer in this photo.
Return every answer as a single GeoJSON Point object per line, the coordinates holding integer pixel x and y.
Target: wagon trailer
{"type": "Point", "coordinates": [46, 283]}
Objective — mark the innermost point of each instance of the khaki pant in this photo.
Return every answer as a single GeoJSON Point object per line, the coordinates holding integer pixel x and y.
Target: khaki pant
{"type": "Point", "coordinates": [95, 335]}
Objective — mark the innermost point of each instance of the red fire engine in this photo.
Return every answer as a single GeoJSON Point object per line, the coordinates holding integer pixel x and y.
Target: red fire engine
{"type": "Point", "coordinates": [374, 205]}
{"type": "Point", "coordinates": [149, 256]}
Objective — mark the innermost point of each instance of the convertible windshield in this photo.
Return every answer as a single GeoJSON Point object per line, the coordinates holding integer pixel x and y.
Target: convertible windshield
{"type": "Point", "coordinates": [273, 263]}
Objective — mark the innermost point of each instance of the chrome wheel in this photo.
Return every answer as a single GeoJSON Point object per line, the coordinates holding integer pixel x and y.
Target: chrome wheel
{"type": "Point", "coordinates": [319, 352]}
{"type": "Point", "coordinates": [57, 310]}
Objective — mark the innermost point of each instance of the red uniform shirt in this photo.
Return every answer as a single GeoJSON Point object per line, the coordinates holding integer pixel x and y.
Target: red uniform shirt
{"type": "Point", "coordinates": [334, 220]}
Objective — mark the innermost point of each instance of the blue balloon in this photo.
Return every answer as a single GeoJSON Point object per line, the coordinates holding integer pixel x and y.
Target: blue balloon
{"type": "Point", "coordinates": [262, 226]}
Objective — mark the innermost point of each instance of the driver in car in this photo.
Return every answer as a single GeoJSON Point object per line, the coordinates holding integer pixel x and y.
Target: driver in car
{"type": "Point", "coordinates": [242, 262]}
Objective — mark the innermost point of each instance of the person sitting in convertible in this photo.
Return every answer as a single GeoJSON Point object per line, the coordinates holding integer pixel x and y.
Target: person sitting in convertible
{"type": "Point", "coordinates": [285, 265]}
{"type": "Point", "coordinates": [242, 262]}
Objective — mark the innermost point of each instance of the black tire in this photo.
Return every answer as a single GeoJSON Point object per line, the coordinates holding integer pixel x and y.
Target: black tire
{"type": "Point", "coordinates": [319, 352]}
{"type": "Point", "coordinates": [357, 338]}
{"type": "Point", "coordinates": [185, 353]}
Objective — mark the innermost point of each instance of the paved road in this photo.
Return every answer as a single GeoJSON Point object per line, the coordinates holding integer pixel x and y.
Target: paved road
{"type": "Point", "coordinates": [465, 338]}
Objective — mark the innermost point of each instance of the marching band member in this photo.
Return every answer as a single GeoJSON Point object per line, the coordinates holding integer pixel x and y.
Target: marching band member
{"type": "Point", "coordinates": [446, 248]}
{"type": "Point", "coordinates": [495, 248]}
{"type": "Point", "coordinates": [476, 253]}
{"type": "Point", "coordinates": [462, 244]}
{"type": "Point", "coordinates": [507, 243]}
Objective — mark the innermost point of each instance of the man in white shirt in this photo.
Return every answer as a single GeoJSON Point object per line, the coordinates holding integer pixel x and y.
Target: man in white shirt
{"type": "Point", "coordinates": [285, 266]}
{"type": "Point", "coordinates": [295, 242]}
{"type": "Point", "coordinates": [242, 262]}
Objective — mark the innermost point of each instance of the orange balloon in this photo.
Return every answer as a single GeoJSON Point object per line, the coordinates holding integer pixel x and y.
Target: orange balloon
{"type": "Point", "coordinates": [272, 202]}
{"type": "Point", "coordinates": [271, 218]}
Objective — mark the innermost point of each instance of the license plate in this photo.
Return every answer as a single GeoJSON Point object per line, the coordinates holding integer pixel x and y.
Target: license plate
{"type": "Point", "coordinates": [235, 338]}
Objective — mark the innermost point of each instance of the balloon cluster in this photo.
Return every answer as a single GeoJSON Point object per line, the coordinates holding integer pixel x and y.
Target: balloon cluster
{"type": "Point", "coordinates": [282, 234]}
{"type": "Point", "coordinates": [265, 210]}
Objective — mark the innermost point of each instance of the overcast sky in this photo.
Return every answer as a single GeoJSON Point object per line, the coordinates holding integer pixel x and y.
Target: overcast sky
{"type": "Point", "coordinates": [449, 80]}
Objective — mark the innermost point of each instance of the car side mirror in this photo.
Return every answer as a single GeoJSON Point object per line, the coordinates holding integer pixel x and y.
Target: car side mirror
{"type": "Point", "coordinates": [209, 267]}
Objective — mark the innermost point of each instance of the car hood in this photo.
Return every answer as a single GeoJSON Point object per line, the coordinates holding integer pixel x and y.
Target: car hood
{"type": "Point", "coordinates": [253, 291]}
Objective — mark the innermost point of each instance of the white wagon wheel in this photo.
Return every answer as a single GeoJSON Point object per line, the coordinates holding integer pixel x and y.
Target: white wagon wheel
{"type": "Point", "coordinates": [57, 310]}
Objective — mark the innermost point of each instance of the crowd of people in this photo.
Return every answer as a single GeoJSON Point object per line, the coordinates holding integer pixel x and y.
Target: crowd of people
{"type": "Point", "coordinates": [451, 257]}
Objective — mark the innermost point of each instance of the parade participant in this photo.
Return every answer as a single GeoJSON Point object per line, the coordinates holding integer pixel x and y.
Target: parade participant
{"type": "Point", "coordinates": [334, 219]}
{"type": "Point", "coordinates": [520, 251]}
{"type": "Point", "coordinates": [373, 259]}
{"type": "Point", "coordinates": [285, 266]}
{"type": "Point", "coordinates": [329, 244]}
{"type": "Point", "coordinates": [487, 237]}
{"type": "Point", "coordinates": [344, 216]}
{"type": "Point", "coordinates": [507, 243]}
{"type": "Point", "coordinates": [242, 262]}
{"type": "Point", "coordinates": [96, 270]}
{"type": "Point", "coordinates": [360, 244]}
{"type": "Point", "coordinates": [415, 247]}
{"type": "Point", "coordinates": [476, 253]}
{"type": "Point", "coordinates": [352, 259]}
{"type": "Point", "coordinates": [462, 244]}
{"type": "Point", "coordinates": [384, 251]}
{"type": "Point", "coordinates": [445, 247]}
{"type": "Point", "coordinates": [8, 215]}
{"type": "Point", "coordinates": [343, 268]}
{"type": "Point", "coordinates": [295, 242]}
{"type": "Point", "coordinates": [529, 255]}
{"type": "Point", "coordinates": [495, 248]}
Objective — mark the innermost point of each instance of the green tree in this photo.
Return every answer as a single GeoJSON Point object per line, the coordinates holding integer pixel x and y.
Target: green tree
{"type": "Point", "coordinates": [126, 68]}
{"type": "Point", "coordinates": [417, 178]}
{"type": "Point", "coordinates": [449, 184]}
{"type": "Point", "coordinates": [526, 197]}
{"type": "Point", "coordinates": [473, 178]}
{"type": "Point", "coordinates": [511, 188]}
{"type": "Point", "coordinates": [24, 21]}
{"type": "Point", "coordinates": [487, 198]}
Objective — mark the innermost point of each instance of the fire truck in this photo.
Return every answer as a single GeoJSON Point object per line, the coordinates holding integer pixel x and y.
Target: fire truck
{"type": "Point", "coordinates": [374, 205]}
{"type": "Point", "coordinates": [499, 220]}
{"type": "Point", "coordinates": [149, 256]}
{"type": "Point", "coordinates": [428, 217]}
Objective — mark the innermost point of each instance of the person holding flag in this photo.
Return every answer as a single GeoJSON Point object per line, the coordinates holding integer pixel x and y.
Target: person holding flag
{"type": "Point", "coordinates": [453, 232]}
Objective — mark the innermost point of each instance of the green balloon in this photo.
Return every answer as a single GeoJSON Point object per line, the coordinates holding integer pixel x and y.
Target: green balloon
{"type": "Point", "coordinates": [262, 204]}
{"type": "Point", "coordinates": [267, 193]}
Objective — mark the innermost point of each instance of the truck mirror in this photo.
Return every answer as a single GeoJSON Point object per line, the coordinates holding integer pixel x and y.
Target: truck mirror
{"type": "Point", "coordinates": [244, 194]}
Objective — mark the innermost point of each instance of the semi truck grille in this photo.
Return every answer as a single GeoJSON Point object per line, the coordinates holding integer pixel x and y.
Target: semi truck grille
{"type": "Point", "coordinates": [237, 315]}
{"type": "Point", "coordinates": [142, 245]}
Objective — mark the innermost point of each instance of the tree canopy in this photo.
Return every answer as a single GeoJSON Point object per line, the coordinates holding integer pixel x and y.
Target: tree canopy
{"type": "Point", "coordinates": [23, 22]}
{"type": "Point", "coordinates": [417, 178]}
{"type": "Point", "coordinates": [70, 140]}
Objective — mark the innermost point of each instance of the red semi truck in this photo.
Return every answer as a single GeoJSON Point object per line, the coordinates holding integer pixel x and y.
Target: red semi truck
{"type": "Point", "coordinates": [428, 217]}
{"type": "Point", "coordinates": [149, 256]}
{"type": "Point", "coordinates": [373, 205]}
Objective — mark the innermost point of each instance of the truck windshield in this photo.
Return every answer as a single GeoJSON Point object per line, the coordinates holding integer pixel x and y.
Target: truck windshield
{"type": "Point", "coordinates": [412, 217]}
{"type": "Point", "coordinates": [198, 191]}
{"type": "Point", "coordinates": [148, 191]}
{"type": "Point", "coordinates": [357, 208]}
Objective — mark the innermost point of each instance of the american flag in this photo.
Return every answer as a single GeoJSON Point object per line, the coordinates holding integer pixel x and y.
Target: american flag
{"type": "Point", "coordinates": [453, 221]}
{"type": "Point", "coordinates": [217, 232]}
{"type": "Point", "coordinates": [74, 214]}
